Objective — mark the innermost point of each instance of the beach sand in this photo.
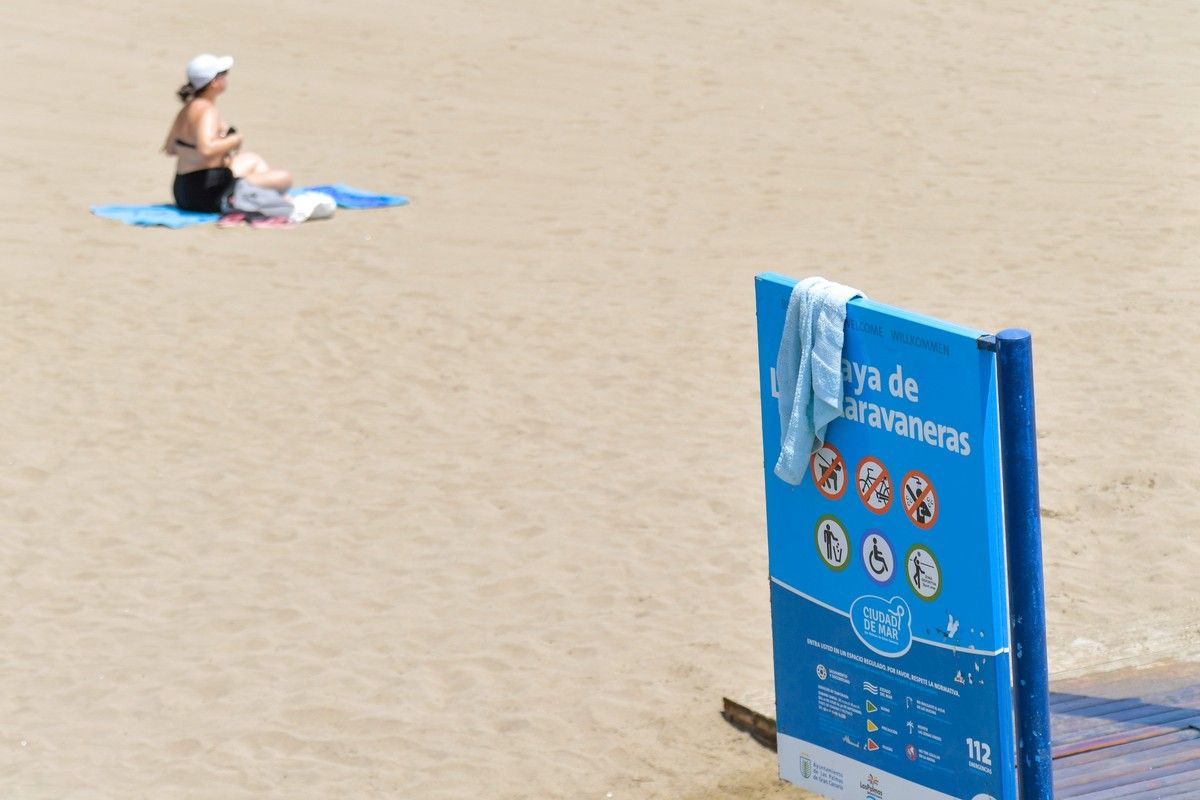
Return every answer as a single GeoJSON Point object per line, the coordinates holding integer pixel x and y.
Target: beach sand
{"type": "Point", "coordinates": [464, 499]}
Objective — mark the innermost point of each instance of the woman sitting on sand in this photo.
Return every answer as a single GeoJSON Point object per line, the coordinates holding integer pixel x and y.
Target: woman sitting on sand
{"type": "Point", "coordinates": [207, 148]}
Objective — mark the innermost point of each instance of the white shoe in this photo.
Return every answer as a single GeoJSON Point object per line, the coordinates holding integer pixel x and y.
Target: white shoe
{"type": "Point", "coordinates": [312, 205]}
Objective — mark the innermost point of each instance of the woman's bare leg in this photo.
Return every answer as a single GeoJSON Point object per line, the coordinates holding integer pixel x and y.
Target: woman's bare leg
{"type": "Point", "coordinates": [244, 164]}
{"type": "Point", "coordinates": [254, 168]}
{"type": "Point", "coordinates": [277, 179]}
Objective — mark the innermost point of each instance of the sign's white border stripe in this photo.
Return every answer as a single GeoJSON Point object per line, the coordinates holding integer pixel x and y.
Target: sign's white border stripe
{"type": "Point", "coordinates": [810, 598]}
{"type": "Point", "coordinates": [846, 614]}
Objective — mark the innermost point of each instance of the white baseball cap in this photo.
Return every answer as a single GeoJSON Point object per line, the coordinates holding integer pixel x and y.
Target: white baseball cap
{"type": "Point", "coordinates": [203, 68]}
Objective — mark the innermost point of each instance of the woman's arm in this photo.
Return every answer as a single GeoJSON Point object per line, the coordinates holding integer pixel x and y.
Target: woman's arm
{"type": "Point", "coordinates": [209, 142]}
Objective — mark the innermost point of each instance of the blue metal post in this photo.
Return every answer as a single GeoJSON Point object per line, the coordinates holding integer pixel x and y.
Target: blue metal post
{"type": "Point", "coordinates": [1022, 516]}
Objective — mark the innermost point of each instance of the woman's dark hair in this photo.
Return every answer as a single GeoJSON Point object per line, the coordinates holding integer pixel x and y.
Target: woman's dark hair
{"type": "Point", "coordinates": [187, 91]}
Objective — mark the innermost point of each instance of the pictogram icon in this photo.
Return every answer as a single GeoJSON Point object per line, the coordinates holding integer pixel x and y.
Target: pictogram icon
{"type": "Point", "coordinates": [920, 500]}
{"type": "Point", "coordinates": [833, 543]}
{"type": "Point", "coordinates": [874, 485]}
{"type": "Point", "coordinates": [828, 470]}
{"type": "Point", "coordinates": [924, 573]}
{"type": "Point", "coordinates": [877, 557]}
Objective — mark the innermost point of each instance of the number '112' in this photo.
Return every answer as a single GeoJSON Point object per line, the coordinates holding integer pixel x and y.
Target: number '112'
{"type": "Point", "coordinates": [979, 751]}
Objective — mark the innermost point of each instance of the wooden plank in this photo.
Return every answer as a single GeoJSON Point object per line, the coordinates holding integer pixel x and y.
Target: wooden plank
{"type": "Point", "coordinates": [759, 726]}
{"type": "Point", "coordinates": [1121, 763]}
{"type": "Point", "coordinates": [1136, 702]}
{"type": "Point", "coordinates": [1111, 739]}
{"type": "Point", "coordinates": [1146, 714]}
{"type": "Point", "coordinates": [1183, 791]}
{"type": "Point", "coordinates": [1161, 677]}
{"type": "Point", "coordinates": [1077, 704]}
{"type": "Point", "coordinates": [1147, 786]}
{"type": "Point", "coordinates": [1092, 756]}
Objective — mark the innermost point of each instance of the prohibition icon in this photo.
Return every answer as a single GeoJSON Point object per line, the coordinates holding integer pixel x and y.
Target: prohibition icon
{"type": "Point", "coordinates": [874, 485]}
{"type": "Point", "coordinates": [923, 572]}
{"type": "Point", "coordinates": [877, 557]}
{"type": "Point", "coordinates": [829, 471]}
{"type": "Point", "coordinates": [833, 543]}
{"type": "Point", "coordinates": [920, 499]}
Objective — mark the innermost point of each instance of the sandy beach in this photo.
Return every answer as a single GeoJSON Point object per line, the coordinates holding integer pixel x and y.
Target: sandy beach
{"type": "Point", "coordinates": [465, 498]}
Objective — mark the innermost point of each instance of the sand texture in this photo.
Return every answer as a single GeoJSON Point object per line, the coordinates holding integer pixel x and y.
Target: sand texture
{"type": "Point", "coordinates": [464, 499]}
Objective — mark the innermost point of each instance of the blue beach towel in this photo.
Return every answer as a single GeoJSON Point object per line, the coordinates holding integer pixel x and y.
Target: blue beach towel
{"type": "Point", "coordinates": [809, 371]}
{"type": "Point", "coordinates": [165, 215]}
{"type": "Point", "coordinates": [169, 216]}
{"type": "Point", "coordinates": [349, 197]}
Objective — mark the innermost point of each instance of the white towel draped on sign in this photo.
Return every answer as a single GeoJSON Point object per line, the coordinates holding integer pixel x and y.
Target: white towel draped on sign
{"type": "Point", "coordinates": [808, 371]}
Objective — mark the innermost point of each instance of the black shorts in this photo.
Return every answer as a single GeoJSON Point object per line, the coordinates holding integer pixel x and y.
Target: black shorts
{"type": "Point", "coordinates": [203, 189]}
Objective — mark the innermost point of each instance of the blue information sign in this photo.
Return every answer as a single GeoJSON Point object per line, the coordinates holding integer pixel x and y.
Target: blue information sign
{"type": "Point", "coordinates": [888, 595]}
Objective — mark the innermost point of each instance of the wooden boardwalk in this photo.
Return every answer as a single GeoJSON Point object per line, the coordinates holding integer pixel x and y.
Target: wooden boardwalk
{"type": "Point", "coordinates": [1131, 735]}
{"type": "Point", "coordinates": [1128, 735]}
